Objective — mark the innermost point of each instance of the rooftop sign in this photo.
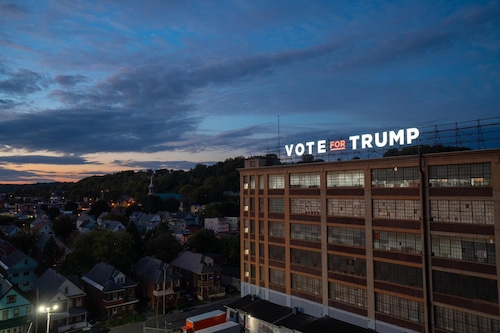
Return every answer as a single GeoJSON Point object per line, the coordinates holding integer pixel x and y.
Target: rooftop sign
{"type": "Point", "coordinates": [355, 142]}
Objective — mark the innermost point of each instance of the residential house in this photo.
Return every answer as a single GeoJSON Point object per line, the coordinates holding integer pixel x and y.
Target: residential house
{"type": "Point", "coordinates": [85, 223]}
{"type": "Point", "coordinates": [159, 284]}
{"type": "Point", "coordinates": [53, 289]}
{"type": "Point", "coordinates": [109, 291]}
{"type": "Point", "coordinates": [147, 222]}
{"type": "Point", "coordinates": [15, 309]}
{"type": "Point", "coordinates": [10, 229]}
{"type": "Point", "coordinates": [19, 269]}
{"type": "Point", "coordinates": [216, 224]}
{"type": "Point", "coordinates": [42, 228]}
{"type": "Point", "coordinates": [202, 276]}
{"type": "Point", "coordinates": [113, 226]}
{"type": "Point", "coordinates": [190, 219]}
{"type": "Point", "coordinates": [56, 255]}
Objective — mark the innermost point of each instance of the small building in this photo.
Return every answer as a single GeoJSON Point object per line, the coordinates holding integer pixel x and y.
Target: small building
{"type": "Point", "coordinates": [202, 276]}
{"type": "Point", "coordinates": [110, 292]}
{"type": "Point", "coordinates": [19, 269]}
{"type": "Point", "coordinates": [159, 285]}
{"type": "Point", "coordinates": [53, 289]}
{"type": "Point", "coordinates": [16, 309]}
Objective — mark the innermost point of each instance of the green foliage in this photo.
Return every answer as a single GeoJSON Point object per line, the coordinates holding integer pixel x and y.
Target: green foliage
{"type": "Point", "coordinates": [203, 240]}
{"type": "Point", "coordinates": [99, 207]}
{"type": "Point", "coordinates": [101, 246]}
{"type": "Point", "coordinates": [63, 226]}
{"type": "Point", "coordinates": [230, 246]}
{"type": "Point", "coordinates": [163, 246]}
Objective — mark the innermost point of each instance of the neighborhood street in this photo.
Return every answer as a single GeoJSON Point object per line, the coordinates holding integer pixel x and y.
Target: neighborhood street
{"type": "Point", "coordinates": [174, 321]}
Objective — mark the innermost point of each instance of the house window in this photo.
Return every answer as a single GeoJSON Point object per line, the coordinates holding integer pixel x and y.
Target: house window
{"type": "Point", "coordinates": [5, 314]}
{"type": "Point", "coordinates": [15, 312]}
{"type": "Point", "coordinates": [11, 299]}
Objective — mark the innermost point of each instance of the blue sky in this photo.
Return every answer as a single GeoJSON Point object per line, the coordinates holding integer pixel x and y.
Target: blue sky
{"type": "Point", "coordinates": [94, 87]}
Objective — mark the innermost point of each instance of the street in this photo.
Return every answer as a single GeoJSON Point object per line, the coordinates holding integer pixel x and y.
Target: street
{"type": "Point", "coordinates": [174, 321]}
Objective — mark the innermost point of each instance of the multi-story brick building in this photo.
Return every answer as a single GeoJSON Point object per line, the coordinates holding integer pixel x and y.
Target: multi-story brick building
{"type": "Point", "coordinates": [394, 244]}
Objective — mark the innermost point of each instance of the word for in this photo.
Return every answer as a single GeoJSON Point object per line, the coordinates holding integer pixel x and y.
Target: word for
{"type": "Point", "coordinates": [380, 140]}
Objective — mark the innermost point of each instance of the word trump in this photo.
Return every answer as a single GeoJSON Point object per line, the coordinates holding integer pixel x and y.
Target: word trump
{"type": "Point", "coordinates": [363, 141]}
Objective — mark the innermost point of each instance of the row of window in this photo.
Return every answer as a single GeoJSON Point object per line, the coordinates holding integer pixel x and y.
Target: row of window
{"type": "Point", "coordinates": [16, 312]}
{"type": "Point", "coordinates": [399, 307]}
{"type": "Point", "coordinates": [347, 294]}
{"type": "Point", "coordinates": [464, 248]}
{"type": "Point", "coordinates": [456, 175]}
{"type": "Point", "coordinates": [471, 287]}
{"type": "Point", "coordinates": [462, 322]}
{"type": "Point", "coordinates": [456, 211]}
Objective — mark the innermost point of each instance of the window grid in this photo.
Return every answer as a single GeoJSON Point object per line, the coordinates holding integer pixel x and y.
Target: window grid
{"type": "Point", "coordinates": [306, 284]}
{"type": "Point", "coordinates": [305, 206]}
{"type": "Point", "coordinates": [276, 253]}
{"type": "Point", "coordinates": [471, 287]}
{"type": "Point", "coordinates": [277, 277]}
{"type": "Point", "coordinates": [346, 207]}
{"type": "Point", "coordinates": [396, 209]}
{"type": "Point", "coordinates": [276, 229]}
{"type": "Point", "coordinates": [460, 175]}
{"type": "Point", "coordinates": [305, 258]}
{"type": "Point", "coordinates": [305, 232]}
{"type": "Point", "coordinates": [462, 322]}
{"type": "Point", "coordinates": [398, 274]}
{"type": "Point", "coordinates": [346, 236]}
{"type": "Point", "coordinates": [463, 211]}
{"type": "Point", "coordinates": [464, 248]}
{"type": "Point", "coordinates": [397, 241]}
{"type": "Point", "coordinates": [347, 294]}
{"type": "Point", "coordinates": [276, 205]}
{"type": "Point", "coordinates": [399, 307]}
{"type": "Point", "coordinates": [304, 180]}
{"type": "Point", "coordinates": [349, 178]}
{"type": "Point", "coordinates": [276, 181]}
{"type": "Point", "coordinates": [261, 182]}
{"type": "Point", "coordinates": [396, 177]}
{"type": "Point", "coordinates": [343, 264]}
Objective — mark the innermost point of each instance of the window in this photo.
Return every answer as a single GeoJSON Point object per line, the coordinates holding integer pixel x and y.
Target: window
{"type": "Point", "coordinates": [464, 248]}
{"type": "Point", "coordinates": [462, 322]}
{"type": "Point", "coordinates": [252, 271]}
{"type": "Point", "coordinates": [399, 307]}
{"type": "Point", "coordinates": [348, 265]}
{"type": "Point", "coordinates": [305, 258]}
{"type": "Point", "coordinates": [262, 273]}
{"type": "Point", "coordinates": [252, 182]}
{"type": "Point", "coordinates": [397, 241]}
{"type": "Point", "coordinates": [398, 274]}
{"type": "Point", "coordinates": [304, 180]}
{"type": "Point", "coordinates": [305, 232]}
{"type": "Point", "coordinates": [277, 277]}
{"type": "Point", "coordinates": [305, 206]}
{"type": "Point", "coordinates": [396, 177]}
{"type": "Point", "coordinates": [471, 287]}
{"type": "Point", "coordinates": [15, 312]}
{"type": "Point", "coordinates": [347, 294]}
{"type": "Point", "coordinates": [262, 227]}
{"type": "Point", "coordinates": [306, 284]}
{"type": "Point", "coordinates": [350, 178]}
{"type": "Point", "coordinates": [5, 314]}
{"type": "Point", "coordinates": [462, 211]}
{"type": "Point", "coordinates": [261, 250]}
{"type": "Point", "coordinates": [276, 181]}
{"type": "Point", "coordinates": [460, 175]}
{"type": "Point", "coordinates": [276, 253]}
{"type": "Point", "coordinates": [276, 205]}
{"type": "Point", "coordinates": [396, 209]}
{"type": "Point", "coordinates": [346, 236]}
{"type": "Point", "coordinates": [346, 207]}
{"type": "Point", "coordinates": [245, 182]}
{"type": "Point", "coordinates": [246, 224]}
{"type": "Point", "coordinates": [11, 299]}
{"type": "Point", "coordinates": [261, 182]}
{"type": "Point", "coordinates": [252, 248]}
{"type": "Point", "coordinates": [276, 229]}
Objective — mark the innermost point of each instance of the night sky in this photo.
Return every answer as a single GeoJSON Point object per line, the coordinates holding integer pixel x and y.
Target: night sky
{"type": "Point", "coordinates": [95, 87]}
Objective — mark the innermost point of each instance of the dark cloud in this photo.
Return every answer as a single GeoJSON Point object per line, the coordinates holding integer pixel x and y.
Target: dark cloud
{"type": "Point", "coordinates": [9, 9]}
{"type": "Point", "coordinates": [9, 175]}
{"type": "Point", "coordinates": [41, 159]}
{"type": "Point", "coordinates": [70, 80]}
{"type": "Point", "coordinates": [23, 82]}
{"type": "Point", "coordinates": [156, 165]}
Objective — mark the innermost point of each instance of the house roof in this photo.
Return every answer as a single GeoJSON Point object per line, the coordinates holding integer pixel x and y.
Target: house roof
{"type": "Point", "coordinates": [295, 320]}
{"type": "Point", "coordinates": [327, 324]}
{"type": "Point", "coordinates": [102, 275]}
{"type": "Point", "coordinates": [153, 269]}
{"type": "Point", "coordinates": [50, 283]}
{"type": "Point", "coordinates": [195, 262]}
{"type": "Point", "coordinates": [6, 247]}
{"type": "Point", "coordinates": [5, 286]}
{"type": "Point", "coordinates": [267, 311]}
{"type": "Point", "coordinates": [13, 258]}
{"type": "Point", "coordinates": [113, 225]}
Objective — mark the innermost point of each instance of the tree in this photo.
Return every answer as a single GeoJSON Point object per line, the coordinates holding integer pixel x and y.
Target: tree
{"type": "Point", "coordinates": [70, 206]}
{"type": "Point", "coordinates": [163, 246]}
{"type": "Point", "coordinates": [204, 240]}
{"type": "Point", "coordinates": [172, 205]}
{"type": "Point", "coordinates": [151, 204]}
{"type": "Point", "coordinates": [231, 248]}
{"type": "Point", "coordinates": [99, 207]}
{"type": "Point", "coordinates": [63, 226]}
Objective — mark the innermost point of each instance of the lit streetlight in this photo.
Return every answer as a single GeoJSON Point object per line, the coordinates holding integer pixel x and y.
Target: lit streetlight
{"type": "Point", "coordinates": [48, 310]}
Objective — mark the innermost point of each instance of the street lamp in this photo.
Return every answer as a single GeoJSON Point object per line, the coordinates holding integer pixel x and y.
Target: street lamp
{"type": "Point", "coordinates": [48, 310]}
